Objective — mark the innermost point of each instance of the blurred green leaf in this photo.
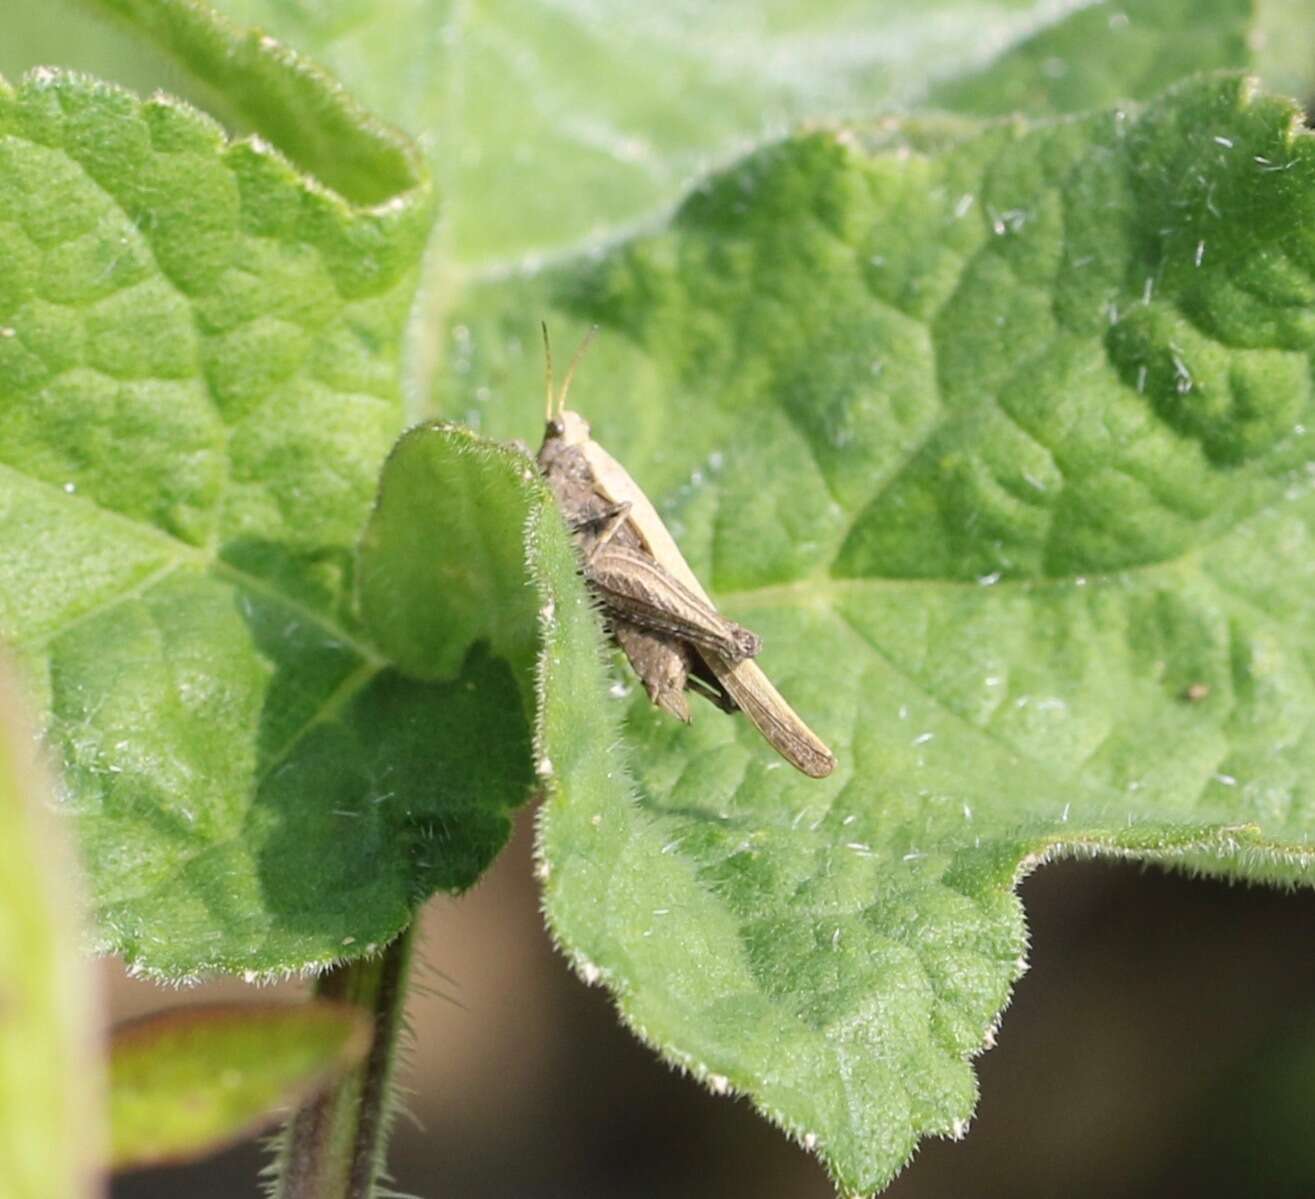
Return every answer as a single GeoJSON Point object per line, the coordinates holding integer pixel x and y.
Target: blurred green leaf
{"type": "Point", "coordinates": [186, 1082]}
{"type": "Point", "coordinates": [1107, 52]}
{"type": "Point", "coordinates": [551, 127]}
{"type": "Point", "coordinates": [1000, 437]}
{"type": "Point", "coordinates": [51, 1122]}
{"type": "Point", "coordinates": [291, 101]}
{"type": "Point", "coordinates": [69, 34]}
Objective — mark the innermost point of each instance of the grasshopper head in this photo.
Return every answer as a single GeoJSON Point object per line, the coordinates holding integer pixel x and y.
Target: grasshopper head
{"type": "Point", "coordinates": [570, 428]}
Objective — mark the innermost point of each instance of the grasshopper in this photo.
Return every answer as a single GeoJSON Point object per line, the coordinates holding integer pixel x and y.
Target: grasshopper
{"type": "Point", "coordinates": [658, 612]}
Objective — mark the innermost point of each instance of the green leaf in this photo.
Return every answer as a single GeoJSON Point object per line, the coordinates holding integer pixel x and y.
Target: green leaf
{"type": "Point", "coordinates": [505, 573]}
{"type": "Point", "coordinates": [66, 33]}
{"type": "Point", "coordinates": [198, 383]}
{"type": "Point", "coordinates": [1099, 54]}
{"type": "Point", "coordinates": [1001, 437]}
{"type": "Point", "coordinates": [287, 98]}
{"type": "Point", "coordinates": [550, 125]}
{"type": "Point", "coordinates": [1103, 53]}
{"type": "Point", "coordinates": [425, 605]}
{"type": "Point", "coordinates": [844, 370]}
{"type": "Point", "coordinates": [51, 1123]}
{"type": "Point", "coordinates": [551, 128]}
{"type": "Point", "coordinates": [186, 1082]}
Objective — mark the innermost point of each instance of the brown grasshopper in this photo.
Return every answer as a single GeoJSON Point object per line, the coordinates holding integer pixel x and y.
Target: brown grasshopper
{"type": "Point", "coordinates": [658, 612]}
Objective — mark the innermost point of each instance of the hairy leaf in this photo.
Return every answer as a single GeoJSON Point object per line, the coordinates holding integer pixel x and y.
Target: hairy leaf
{"type": "Point", "coordinates": [997, 434]}
{"type": "Point", "coordinates": [198, 382]}
{"type": "Point", "coordinates": [1001, 439]}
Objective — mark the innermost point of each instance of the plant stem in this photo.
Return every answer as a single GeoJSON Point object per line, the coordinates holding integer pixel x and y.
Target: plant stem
{"type": "Point", "coordinates": [334, 1145]}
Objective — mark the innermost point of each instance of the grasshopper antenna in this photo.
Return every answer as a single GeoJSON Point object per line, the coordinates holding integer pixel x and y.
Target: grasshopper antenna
{"type": "Point", "coordinates": [570, 370]}
{"type": "Point", "coordinates": [547, 373]}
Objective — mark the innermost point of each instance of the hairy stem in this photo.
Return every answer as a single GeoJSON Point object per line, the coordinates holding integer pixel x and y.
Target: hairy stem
{"type": "Point", "coordinates": [333, 1147]}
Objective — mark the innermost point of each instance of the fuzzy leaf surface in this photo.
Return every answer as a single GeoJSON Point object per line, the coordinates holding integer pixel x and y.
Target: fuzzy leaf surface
{"type": "Point", "coordinates": [842, 371]}
{"type": "Point", "coordinates": [1001, 437]}
{"type": "Point", "coordinates": [198, 382]}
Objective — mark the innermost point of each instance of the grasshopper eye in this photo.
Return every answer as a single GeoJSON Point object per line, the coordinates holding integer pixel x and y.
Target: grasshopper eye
{"type": "Point", "coordinates": [556, 428]}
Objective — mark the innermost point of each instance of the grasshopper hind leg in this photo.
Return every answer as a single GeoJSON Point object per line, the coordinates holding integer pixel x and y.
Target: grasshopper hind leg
{"type": "Point", "coordinates": [661, 663]}
{"type": "Point", "coordinates": [703, 682]}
